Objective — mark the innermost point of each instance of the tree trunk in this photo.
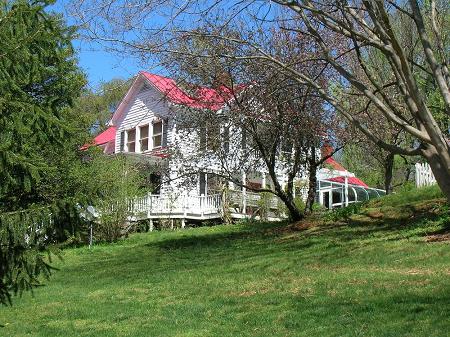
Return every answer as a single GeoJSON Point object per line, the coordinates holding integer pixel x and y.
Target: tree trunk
{"type": "Point", "coordinates": [312, 186]}
{"type": "Point", "coordinates": [388, 172]}
{"type": "Point", "coordinates": [287, 198]}
{"type": "Point", "coordinates": [440, 171]}
{"type": "Point", "coordinates": [294, 213]}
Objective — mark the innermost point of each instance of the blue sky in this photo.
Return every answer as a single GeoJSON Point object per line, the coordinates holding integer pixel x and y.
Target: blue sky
{"type": "Point", "coordinates": [98, 64]}
{"type": "Point", "coordinates": [101, 66]}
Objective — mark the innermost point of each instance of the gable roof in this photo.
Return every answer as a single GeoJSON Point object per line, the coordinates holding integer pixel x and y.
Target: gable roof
{"type": "Point", "coordinates": [204, 98]}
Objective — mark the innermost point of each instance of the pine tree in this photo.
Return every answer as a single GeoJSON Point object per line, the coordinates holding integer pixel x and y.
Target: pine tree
{"type": "Point", "coordinates": [39, 81]}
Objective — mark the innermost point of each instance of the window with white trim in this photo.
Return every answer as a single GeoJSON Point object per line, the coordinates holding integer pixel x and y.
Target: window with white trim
{"type": "Point", "coordinates": [131, 141]}
{"type": "Point", "coordinates": [122, 141]}
{"type": "Point", "coordinates": [144, 138]}
{"type": "Point", "coordinates": [157, 133]}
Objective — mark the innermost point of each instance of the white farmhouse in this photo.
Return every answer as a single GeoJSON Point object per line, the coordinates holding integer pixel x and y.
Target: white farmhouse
{"type": "Point", "coordinates": [145, 126]}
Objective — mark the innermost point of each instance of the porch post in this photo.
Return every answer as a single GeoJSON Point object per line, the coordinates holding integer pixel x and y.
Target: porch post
{"type": "Point", "coordinates": [151, 225]}
{"type": "Point", "coordinates": [183, 221]}
{"type": "Point", "coordinates": [244, 194]}
{"type": "Point", "coordinates": [330, 198]}
{"type": "Point", "coordinates": [202, 205]}
{"type": "Point", "coordinates": [149, 205]}
{"type": "Point", "coordinates": [263, 180]}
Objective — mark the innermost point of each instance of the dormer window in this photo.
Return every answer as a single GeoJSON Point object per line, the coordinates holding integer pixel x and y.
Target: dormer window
{"type": "Point", "coordinates": [144, 138]}
{"type": "Point", "coordinates": [131, 143]}
{"type": "Point", "coordinates": [157, 133]}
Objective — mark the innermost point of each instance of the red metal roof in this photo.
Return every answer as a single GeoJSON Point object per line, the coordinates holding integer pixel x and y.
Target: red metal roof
{"type": "Point", "coordinates": [205, 98]}
{"type": "Point", "coordinates": [109, 135]}
{"type": "Point", "coordinates": [106, 136]}
{"type": "Point", "coordinates": [351, 180]}
{"type": "Point", "coordinates": [334, 164]}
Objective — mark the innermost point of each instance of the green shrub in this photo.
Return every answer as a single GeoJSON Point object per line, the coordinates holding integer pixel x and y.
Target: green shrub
{"type": "Point", "coordinates": [343, 213]}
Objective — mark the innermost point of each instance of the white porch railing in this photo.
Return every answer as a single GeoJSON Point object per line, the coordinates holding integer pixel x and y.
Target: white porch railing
{"type": "Point", "coordinates": [176, 205]}
{"type": "Point", "coordinates": [424, 175]}
{"type": "Point", "coordinates": [196, 207]}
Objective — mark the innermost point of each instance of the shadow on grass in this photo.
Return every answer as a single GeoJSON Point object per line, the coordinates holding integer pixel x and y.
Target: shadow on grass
{"type": "Point", "coordinates": [251, 232]}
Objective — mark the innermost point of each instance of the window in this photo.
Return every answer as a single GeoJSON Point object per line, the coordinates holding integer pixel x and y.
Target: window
{"type": "Point", "coordinates": [213, 137]}
{"type": "Point", "coordinates": [155, 182]}
{"type": "Point", "coordinates": [244, 139]}
{"type": "Point", "coordinates": [202, 138]}
{"type": "Point", "coordinates": [286, 147]}
{"type": "Point", "coordinates": [131, 143]}
{"type": "Point", "coordinates": [213, 184]}
{"type": "Point", "coordinates": [202, 183]}
{"type": "Point", "coordinates": [226, 139]}
{"type": "Point", "coordinates": [157, 134]}
{"type": "Point", "coordinates": [122, 141]}
{"type": "Point", "coordinates": [144, 138]}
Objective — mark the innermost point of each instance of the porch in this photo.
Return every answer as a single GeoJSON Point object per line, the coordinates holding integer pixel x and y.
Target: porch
{"type": "Point", "coordinates": [205, 207]}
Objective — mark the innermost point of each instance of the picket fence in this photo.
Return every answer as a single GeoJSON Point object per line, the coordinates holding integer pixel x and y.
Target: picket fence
{"type": "Point", "coordinates": [424, 175]}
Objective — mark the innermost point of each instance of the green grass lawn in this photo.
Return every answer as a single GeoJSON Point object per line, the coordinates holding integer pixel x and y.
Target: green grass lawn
{"type": "Point", "coordinates": [375, 275]}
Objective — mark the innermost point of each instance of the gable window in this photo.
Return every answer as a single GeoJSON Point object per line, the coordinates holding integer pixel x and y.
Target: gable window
{"type": "Point", "coordinates": [157, 134]}
{"type": "Point", "coordinates": [131, 143]}
{"type": "Point", "coordinates": [144, 138]}
{"type": "Point", "coordinates": [122, 141]}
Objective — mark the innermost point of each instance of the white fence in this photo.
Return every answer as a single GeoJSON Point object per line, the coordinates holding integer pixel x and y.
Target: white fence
{"type": "Point", "coordinates": [424, 175]}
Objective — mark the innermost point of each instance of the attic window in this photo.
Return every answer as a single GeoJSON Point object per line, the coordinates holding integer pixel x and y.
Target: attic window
{"type": "Point", "coordinates": [144, 138]}
{"type": "Point", "coordinates": [157, 133]}
{"type": "Point", "coordinates": [131, 143]}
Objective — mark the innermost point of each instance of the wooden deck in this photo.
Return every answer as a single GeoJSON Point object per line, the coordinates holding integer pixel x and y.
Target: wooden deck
{"type": "Point", "coordinates": [242, 205]}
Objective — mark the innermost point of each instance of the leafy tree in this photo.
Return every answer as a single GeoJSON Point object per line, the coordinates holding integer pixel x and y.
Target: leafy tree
{"type": "Point", "coordinates": [39, 81]}
{"type": "Point", "coordinates": [97, 106]}
{"type": "Point", "coordinates": [117, 181]}
{"type": "Point", "coordinates": [269, 122]}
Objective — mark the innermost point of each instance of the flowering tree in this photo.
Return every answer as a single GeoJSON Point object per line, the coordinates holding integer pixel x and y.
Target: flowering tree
{"type": "Point", "coordinates": [265, 121]}
{"type": "Point", "coordinates": [418, 67]}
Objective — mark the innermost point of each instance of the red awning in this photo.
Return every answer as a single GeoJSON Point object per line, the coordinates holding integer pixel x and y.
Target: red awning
{"type": "Point", "coordinates": [351, 181]}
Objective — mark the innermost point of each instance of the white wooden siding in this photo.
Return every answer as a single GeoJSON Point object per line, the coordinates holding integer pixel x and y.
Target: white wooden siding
{"type": "Point", "coordinates": [144, 107]}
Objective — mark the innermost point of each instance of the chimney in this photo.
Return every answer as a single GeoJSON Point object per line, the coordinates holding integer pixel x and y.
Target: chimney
{"type": "Point", "coordinates": [326, 149]}
{"type": "Point", "coordinates": [222, 79]}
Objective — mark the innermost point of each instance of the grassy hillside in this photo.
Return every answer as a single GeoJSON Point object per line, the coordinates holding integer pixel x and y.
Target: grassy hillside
{"type": "Point", "coordinates": [377, 273]}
